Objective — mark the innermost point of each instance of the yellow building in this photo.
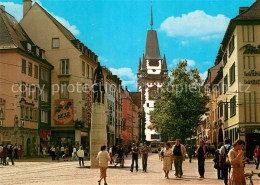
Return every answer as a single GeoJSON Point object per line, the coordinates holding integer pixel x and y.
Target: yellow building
{"type": "Point", "coordinates": [74, 65]}
{"type": "Point", "coordinates": [239, 54]}
{"type": "Point", "coordinates": [24, 87]}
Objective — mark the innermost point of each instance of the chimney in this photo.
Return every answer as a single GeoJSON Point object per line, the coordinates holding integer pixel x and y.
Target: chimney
{"type": "Point", "coordinates": [27, 4]}
{"type": "Point", "coordinates": [2, 7]}
{"type": "Point", "coordinates": [242, 9]}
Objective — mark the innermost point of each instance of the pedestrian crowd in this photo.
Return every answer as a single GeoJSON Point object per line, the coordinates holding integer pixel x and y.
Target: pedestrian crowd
{"type": "Point", "coordinates": [9, 152]}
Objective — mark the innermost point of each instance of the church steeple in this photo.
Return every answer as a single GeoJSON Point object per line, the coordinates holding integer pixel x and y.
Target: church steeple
{"type": "Point", "coordinates": [143, 63]}
{"type": "Point", "coordinates": [164, 64]}
{"type": "Point", "coordinates": [151, 16]}
{"type": "Point", "coordinates": [139, 67]}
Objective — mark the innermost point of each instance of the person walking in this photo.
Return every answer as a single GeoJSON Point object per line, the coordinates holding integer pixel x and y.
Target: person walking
{"type": "Point", "coordinates": [134, 152]}
{"type": "Point", "coordinates": [216, 163]}
{"type": "Point", "coordinates": [257, 156]}
{"type": "Point", "coordinates": [201, 154]}
{"type": "Point", "coordinates": [223, 160]}
{"type": "Point", "coordinates": [74, 153]}
{"type": "Point", "coordinates": [4, 155]}
{"type": "Point", "coordinates": [190, 153]}
{"type": "Point", "coordinates": [179, 153]}
{"type": "Point", "coordinates": [44, 151]}
{"type": "Point", "coordinates": [80, 154]}
{"type": "Point", "coordinates": [167, 157]}
{"type": "Point", "coordinates": [111, 155]}
{"type": "Point", "coordinates": [236, 157]}
{"type": "Point", "coordinates": [120, 157]}
{"type": "Point", "coordinates": [15, 151]}
{"type": "Point", "coordinates": [52, 150]}
{"type": "Point", "coordinates": [1, 150]}
{"type": "Point", "coordinates": [10, 154]}
{"type": "Point", "coordinates": [144, 152]}
{"type": "Point", "coordinates": [103, 158]}
{"type": "Point", "coordinates": [20, 151]}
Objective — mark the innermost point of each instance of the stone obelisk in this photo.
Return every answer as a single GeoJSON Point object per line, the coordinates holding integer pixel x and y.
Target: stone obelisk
{"type": "Point", "coordinates": [98, 133]}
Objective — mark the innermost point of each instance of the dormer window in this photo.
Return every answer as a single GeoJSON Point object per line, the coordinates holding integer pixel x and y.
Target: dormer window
{"type": "Point", "coordinates": [43, 54]}
{"type": "Point", "coordinates": [37, 51]}
{"type": "Point", "coordinates": [29, 47]}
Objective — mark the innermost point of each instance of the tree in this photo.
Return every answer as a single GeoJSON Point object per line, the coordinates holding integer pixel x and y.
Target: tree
{"type": "Point", "coordinates": [180, 105]}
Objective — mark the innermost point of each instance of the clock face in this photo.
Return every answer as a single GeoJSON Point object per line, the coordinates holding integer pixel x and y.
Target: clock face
{"type": "Point", "coordinates": [154, 93]}
{"type": "Point", "coordinates": [154, 63]}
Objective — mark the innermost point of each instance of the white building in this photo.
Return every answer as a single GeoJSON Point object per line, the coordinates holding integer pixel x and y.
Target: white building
{"type": "Point", "coordinates": [152, 72]}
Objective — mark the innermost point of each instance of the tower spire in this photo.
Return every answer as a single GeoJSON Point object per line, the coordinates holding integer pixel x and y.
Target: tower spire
{"type": "Point", "coordinates": [151, 16]}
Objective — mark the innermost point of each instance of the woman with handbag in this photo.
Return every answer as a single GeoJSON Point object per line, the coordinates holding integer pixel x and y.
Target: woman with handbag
{"type": "Point", "coordinates": [236, 157]}
{"type": "Point", "coordinates": [167, 157]}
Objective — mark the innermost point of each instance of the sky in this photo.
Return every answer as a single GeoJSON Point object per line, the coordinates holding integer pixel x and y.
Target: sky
{"type": "Point", "coordinates": [116, 29]}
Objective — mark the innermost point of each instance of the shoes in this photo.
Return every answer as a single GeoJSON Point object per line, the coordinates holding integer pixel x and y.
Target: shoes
{"type": "Point", "coordinates": [131, 170]}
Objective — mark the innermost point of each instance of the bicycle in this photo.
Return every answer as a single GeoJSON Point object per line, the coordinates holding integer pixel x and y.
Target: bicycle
{"type": "Point", "coordinates": [249, 177]}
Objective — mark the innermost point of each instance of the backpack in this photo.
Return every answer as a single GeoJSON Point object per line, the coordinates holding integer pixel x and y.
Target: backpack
{"type": "Point", "coordinates": [225, 157]}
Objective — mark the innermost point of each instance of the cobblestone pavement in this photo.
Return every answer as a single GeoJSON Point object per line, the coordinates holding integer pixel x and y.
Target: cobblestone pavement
{"type": "Point", "coordinates": [45, 171]}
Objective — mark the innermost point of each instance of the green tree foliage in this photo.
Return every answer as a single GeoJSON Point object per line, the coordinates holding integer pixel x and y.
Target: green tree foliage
{"type": "Point", "coordinates": [180, 105]}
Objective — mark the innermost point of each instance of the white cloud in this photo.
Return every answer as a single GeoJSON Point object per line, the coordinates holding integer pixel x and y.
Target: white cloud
{"type": "Point", "coordinates": [102, 59]}
{"type": "Point", "coordinates": [184, 43]}
{"type": "Point", "coordinates": [204, 75]}
{"type": "Point", "coordinates": [126, 75]}
{"type": "Point", "coordinates": [196, 23]}
{"type": "Point", "coordinates": [66, 24]}
{"type": "Point", "coordinates": [190, 63]}
{"type": "Point", "coordinates": [16, 10]}
{"type": "Point", "coordinates": [209, 37]}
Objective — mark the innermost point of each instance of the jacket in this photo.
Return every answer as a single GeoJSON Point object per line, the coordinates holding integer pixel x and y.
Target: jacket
{"type": "Point", "coordinates": [80, 153]}
{"type": "Point", "coordinates": [183, 150]}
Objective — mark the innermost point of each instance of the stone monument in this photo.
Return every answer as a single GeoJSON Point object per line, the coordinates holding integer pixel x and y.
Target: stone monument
{"type": "Point", "coordinates": [98, 133]}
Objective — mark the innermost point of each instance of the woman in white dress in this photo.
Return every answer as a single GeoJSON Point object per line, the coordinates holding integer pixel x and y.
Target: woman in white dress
{"type": "Point", "coordinates": [167, 157]}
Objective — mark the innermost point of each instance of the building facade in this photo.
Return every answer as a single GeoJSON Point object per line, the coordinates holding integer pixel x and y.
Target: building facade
{"type": "Point", "coordinates": [72, 77]}
{"type": "Point", "coordinates": [152, 72]}
{"type": "Point", "coordinates": [236, 97]}
{"type": "Point", "coordinates": [130, 119]}
{"type": "Point", "coordinates": [25, 88]}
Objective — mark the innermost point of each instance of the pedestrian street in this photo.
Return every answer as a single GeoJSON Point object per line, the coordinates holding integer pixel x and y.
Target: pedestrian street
{"type": "Point", "coordinates": [45, 171]}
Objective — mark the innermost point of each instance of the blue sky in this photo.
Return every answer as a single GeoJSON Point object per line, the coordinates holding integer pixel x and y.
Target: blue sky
{"type": "Point", "coordinates": [116, 30]}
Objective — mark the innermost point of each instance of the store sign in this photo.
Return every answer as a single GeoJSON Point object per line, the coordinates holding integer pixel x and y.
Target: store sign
{"type": "Point", "coordinates": [252, 73]}
{"type": "Point", "coordinates": [63, 112]}
{"type": "Point", "coordinates": [250, 49]}
{"type": "Point", "coordinates": [252, 81]}
{"type": "Point", "coordinates": [44, 133]}
{"type": "Point", "coordinates": [256, 131]}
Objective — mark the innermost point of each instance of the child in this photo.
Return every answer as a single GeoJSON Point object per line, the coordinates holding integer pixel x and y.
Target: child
{"type": "Point", "coordinates": [103, 158]}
